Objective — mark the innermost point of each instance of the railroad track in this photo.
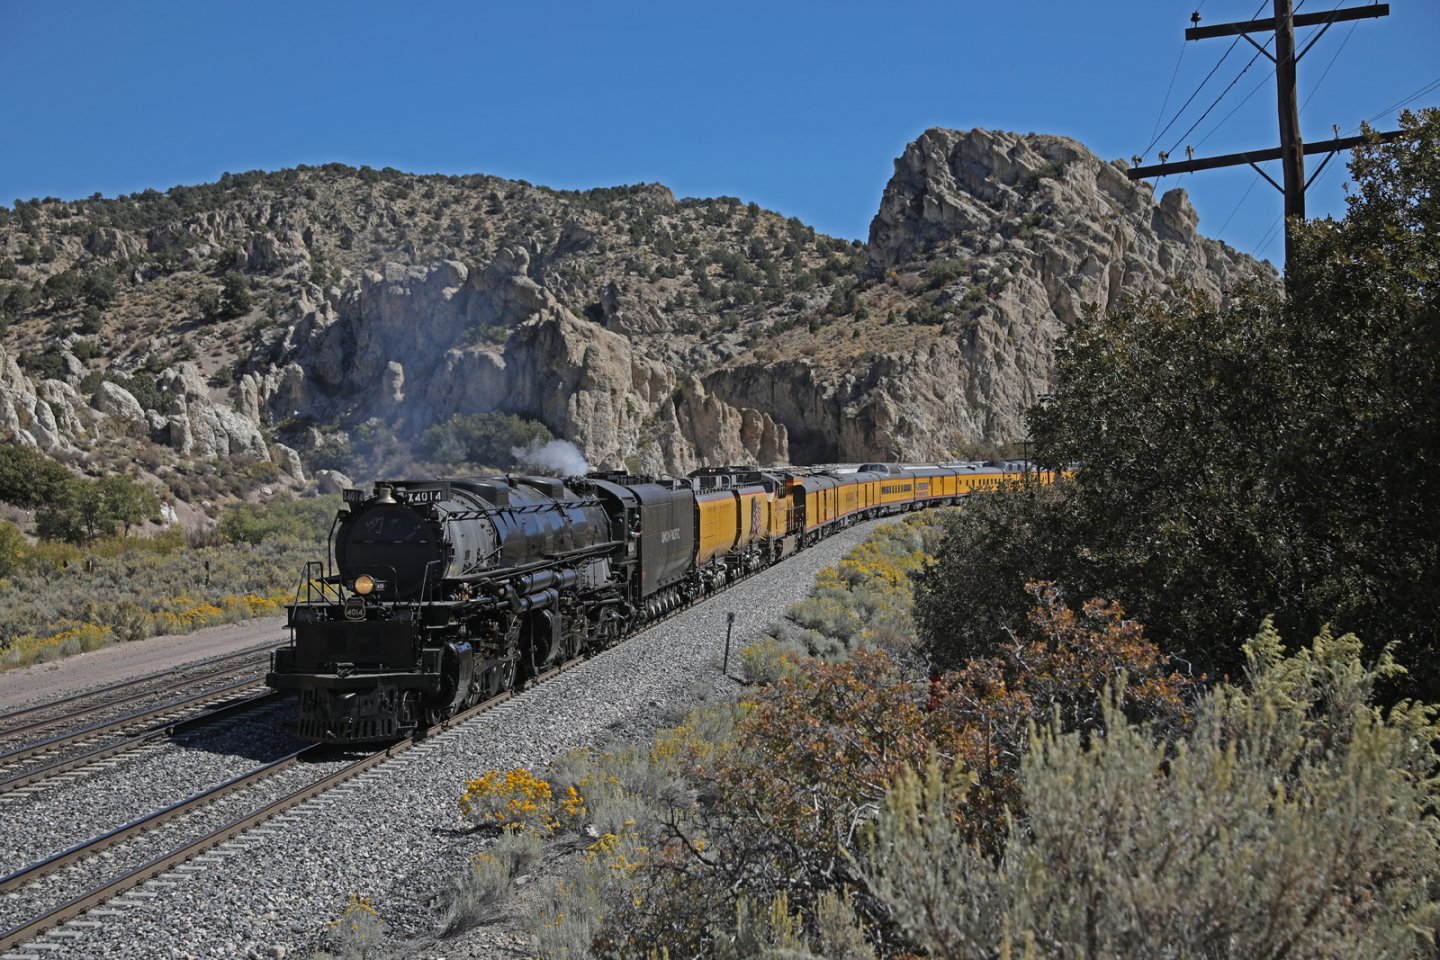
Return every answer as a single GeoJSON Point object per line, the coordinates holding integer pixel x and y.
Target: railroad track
{"type": "Point", "coordinates": [162, 720]}
{"type": "Point", "coordinates": [167, 686]}
{"type": "Point", "coordinates": [31, 929]}
{"type": "Point", "coordinates": [38, 775]}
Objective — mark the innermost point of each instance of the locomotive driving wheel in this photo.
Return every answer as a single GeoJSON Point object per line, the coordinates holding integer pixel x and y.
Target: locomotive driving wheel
{"type": "Point", "coordinates": [570, 646]}
{"type": "Point", "coordinates": [502, 674]}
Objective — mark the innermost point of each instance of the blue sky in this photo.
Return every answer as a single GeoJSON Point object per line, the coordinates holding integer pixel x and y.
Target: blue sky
{"type": "Point", "coordinates": [799, 106]}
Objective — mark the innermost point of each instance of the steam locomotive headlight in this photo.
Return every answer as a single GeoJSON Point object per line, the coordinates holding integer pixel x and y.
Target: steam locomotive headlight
{"type": "Point", "coordinates": [364, 584]}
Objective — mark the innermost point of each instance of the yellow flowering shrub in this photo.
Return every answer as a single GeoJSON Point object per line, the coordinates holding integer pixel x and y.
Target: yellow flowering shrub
{"type": "Point", "coordinates": [516, 798]}
{"type": "Point", "coordinates": [357, 934]}
{"type": "Point", "coordinates": [29, 648]}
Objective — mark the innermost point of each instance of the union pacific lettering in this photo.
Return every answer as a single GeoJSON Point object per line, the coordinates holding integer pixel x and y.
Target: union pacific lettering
{"type": "Point", "coordinates": [670, 536]}
{"type": "Point", "coordinates": [888, 489]}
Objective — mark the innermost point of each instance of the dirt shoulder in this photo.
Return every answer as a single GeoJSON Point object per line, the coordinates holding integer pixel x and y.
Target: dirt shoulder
{"type": "Point", "coordinates": [50, 681]}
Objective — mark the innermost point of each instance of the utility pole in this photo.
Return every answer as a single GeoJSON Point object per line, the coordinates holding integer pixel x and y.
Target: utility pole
{"type": "Point", "coordinates": [1292, 150]}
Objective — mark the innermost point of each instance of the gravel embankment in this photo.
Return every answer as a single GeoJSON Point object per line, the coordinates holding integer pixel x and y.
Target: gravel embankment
{"type": "Point", "coordinates": [394, 833]}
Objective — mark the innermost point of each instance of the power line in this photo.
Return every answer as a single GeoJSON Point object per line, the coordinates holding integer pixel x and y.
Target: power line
{"type": "Point", "coordinates": [1160, 115]}
{"type": "Point", "coordinates": [1410, 99]}
{"type": "Point", "coordinates": [1266, 237]}
{"type": "Point", "coordinates": [1222, 95]}
{"type": "Point", "coordinates": [1254, 90]}
{"type": "Point", "coordinates": [1255, 252]}
{"type": "Point", "coordinates": [1186, 105]}
{"type": "Point", "coordinates": [1253, 180]}
{"type": "Point", "coordinates": [1292, 150]}
{"type": "Point", "coordinates": [1326, 71]}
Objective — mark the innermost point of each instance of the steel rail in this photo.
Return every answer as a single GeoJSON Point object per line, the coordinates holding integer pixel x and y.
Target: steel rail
{"type": "Point", "coordinates": [135, 742]}
{"type": "Point", "coordinates": [20, 754]}
{"type": "Point", "coordinates": [31, 929]}
{"type": "Point", "coordinates": [121, 685]}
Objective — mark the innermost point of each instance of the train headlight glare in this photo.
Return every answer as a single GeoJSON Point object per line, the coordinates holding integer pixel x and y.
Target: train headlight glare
{"type": "Point", "coordinates": [364, 584]}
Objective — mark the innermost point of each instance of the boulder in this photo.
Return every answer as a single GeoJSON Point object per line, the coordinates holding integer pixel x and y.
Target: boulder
{"type": "Point", "coordinates": [332, 481]}
{"type": "Point", "coordinates": [288, 460]}
{"type": "Point", "coordinates": [114, 400]}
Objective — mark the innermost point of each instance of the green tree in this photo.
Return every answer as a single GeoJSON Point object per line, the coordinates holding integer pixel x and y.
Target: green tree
{"type": "Point", "coordinates": [1175, 509]}
{"type": "Point", "coordinates": [973, 591]}
{"type": "Point", "coordinates": [485, 439]}
{"type": "Point", "coordinates": [235, 299]}
{"type": "Point", "coordinates": [209, 304]}
{"type": "Point", "coordinates": [86, 510]}
{"type": "Point", "coordinates": [98, 288]}
{"type": "Point", "coordinates": [1362, 463]}
{"type": "Point", "coordinates": [124, 502]}
{"type": "Point", "coordinates": [1273, 454]}
{"type": "Point", "coordinates": [64, 289]}
{"type": "Point", "coordinates": [28, 478]}
{"type": "Point", "coordinates": [307, 519]}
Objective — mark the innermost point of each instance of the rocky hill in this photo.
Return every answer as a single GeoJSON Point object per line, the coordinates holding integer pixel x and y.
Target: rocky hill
{"type": "Point", "coordinates": [256, 330]}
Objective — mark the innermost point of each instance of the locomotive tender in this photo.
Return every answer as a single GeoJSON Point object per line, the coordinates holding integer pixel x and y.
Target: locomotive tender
{"type": "Point", "coordinates": [439, 594]}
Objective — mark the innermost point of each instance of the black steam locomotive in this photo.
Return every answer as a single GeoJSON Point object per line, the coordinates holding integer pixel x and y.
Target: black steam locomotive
{"type": "Point", "coordinates": [441, 594]}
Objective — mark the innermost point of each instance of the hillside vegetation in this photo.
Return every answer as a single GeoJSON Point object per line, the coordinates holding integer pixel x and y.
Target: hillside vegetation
{"type": "Point", "coordinates": [1274, 456]}
{"type": "Point", "coordinates": [59, 599]}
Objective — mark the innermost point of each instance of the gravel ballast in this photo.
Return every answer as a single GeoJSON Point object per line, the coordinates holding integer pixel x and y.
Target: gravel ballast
{"type": "Point", "coordinates": [394, 833]}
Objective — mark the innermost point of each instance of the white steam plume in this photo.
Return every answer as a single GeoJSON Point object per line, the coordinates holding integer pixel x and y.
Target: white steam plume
{"type": "Point", "coordinates": [559, 458]}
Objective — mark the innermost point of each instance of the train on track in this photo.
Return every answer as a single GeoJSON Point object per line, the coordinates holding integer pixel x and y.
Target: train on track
{"type": "Point", "coordinates": [439, 594]}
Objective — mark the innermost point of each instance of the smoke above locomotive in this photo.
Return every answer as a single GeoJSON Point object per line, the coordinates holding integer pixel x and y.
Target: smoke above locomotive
{"type": "Point", "coordinates": [559, 458]}
{"type": "Point", "coordinates": [439, 594]}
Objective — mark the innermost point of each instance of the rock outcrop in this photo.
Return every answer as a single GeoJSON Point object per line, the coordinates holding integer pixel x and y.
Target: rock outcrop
{"type": "Point", "coordinates": [417, 346]}
{"type": "Point", "coordinates": [1034, 228]}
{"type": "Point", "coordinates": [653, 333]}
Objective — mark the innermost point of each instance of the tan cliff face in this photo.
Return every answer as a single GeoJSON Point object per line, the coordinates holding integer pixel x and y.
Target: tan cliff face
{"type": "Point", "coordinates": [654, 333]}
{"type": "Point", "coordinates": [1013, 236]}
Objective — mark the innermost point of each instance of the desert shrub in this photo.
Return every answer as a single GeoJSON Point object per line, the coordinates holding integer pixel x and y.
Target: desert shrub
{"type": "Point", "coordinates": [489, 880]}
{"type": "Point", "coordinates": [774, 803]}
{"type": "Point", "coordinates": [773, 932]}
{"type": "Point", "coordinates": [1292, 820]}
{"type": "Point", "coordinates": [513, 799]}
{"type": "Point", "coordinates": [865, 600]}
{"type": "Point", "coordinates": [12, 547]}
{"type": "Point", "coordinates": [941, 273]}
{"type": "Point", "coordinates": [137, 587]}
{"type": "Point", "coordinates": [357, 934]}
{"type": "Point", "coordinates": [306, 518]}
